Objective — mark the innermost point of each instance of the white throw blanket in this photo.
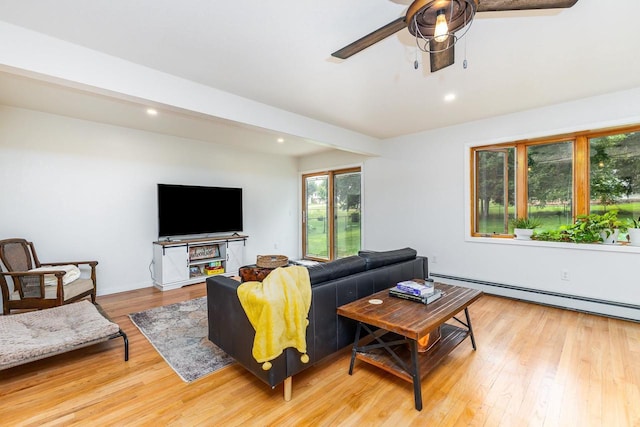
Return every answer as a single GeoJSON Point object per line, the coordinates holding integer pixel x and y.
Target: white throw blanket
{"type": "Point", "coordinates": [72, 272]}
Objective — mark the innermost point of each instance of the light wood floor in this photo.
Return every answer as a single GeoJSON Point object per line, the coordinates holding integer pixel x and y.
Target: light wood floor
{"type": "Point", "coordinates": [535, 366]}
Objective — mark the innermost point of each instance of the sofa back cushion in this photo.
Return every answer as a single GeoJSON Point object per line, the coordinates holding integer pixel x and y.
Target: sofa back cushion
{"type": "Point", "coordinates": [335, 269]}
{"type": "Point", "coordinates": [380, 259]}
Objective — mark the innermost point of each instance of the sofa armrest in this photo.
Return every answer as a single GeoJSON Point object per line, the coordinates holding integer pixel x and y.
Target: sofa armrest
{"type": "Point", "coordinates": [230, 329]}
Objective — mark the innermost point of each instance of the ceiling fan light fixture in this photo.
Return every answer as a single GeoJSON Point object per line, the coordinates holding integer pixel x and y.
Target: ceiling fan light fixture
{"type": "Point", "coordinates": [441, 31]}
{"type": "Point", "coordinates": [427, 21]}
{"type": "Point", "coordinates": [420, 20]}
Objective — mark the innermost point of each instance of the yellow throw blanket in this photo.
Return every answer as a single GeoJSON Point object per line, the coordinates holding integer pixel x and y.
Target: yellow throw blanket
{"type": "Point", "coordinates": [277, 309]}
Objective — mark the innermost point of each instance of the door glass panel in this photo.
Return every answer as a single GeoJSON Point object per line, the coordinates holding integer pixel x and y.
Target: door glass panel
{"type": "Point", "coordinates": [347, 214]}
{"type": "Point", "coordinates": [317, 207]}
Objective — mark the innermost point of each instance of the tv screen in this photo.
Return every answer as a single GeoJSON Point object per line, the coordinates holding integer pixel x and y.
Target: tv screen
{"type": "Point", "coordinates": [188, 209]}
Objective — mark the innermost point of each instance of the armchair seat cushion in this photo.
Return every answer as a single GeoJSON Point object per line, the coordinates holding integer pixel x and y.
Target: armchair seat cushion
{"type": "Point", "coordinates": [72, 273]}
{"type": "Point", "coordinates": [71, 290]}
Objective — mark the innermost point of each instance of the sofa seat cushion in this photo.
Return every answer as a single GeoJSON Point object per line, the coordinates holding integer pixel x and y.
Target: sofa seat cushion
{"type": "Point", "coordinates": [335, 269]}
{"type": "Point", "coordinates": [380, 259]}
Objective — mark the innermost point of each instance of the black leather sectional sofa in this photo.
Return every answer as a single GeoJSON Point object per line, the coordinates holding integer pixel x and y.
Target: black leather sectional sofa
{"type": "Point", "coordinates": [333, 284]}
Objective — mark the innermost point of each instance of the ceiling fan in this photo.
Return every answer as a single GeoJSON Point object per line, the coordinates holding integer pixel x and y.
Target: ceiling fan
{"type": "Point", "coordinates": [435, 22]}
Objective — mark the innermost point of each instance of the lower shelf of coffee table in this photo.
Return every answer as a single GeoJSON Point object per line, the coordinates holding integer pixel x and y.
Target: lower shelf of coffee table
{"type": "Point", "coordinates": [451, 337]}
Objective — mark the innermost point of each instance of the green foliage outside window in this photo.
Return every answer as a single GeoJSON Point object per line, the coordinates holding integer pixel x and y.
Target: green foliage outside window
{"type": "Point", "coordinates": [586, 229]}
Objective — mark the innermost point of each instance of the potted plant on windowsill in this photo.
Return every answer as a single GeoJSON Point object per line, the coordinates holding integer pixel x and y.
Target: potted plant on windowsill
{"type": "Point", "coordinates": [607, 225]}
{"type": "Point", "coordinates": [633, 231]}
{"type": "Point", "coordinates": [591, 228]}
{"type": "Point", "coordinates": [523, 227]}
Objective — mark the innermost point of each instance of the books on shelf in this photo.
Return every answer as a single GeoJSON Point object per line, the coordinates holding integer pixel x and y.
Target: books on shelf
{"type": "Point", "coordinates": [424, 299]}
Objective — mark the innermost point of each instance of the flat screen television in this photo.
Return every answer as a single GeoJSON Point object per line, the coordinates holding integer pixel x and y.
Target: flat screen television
{"type": "Point", "coordinates": [185, 210]}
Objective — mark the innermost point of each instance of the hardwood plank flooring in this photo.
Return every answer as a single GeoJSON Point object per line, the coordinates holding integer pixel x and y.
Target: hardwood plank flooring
{"type": "Point", "coordinates": [535, 366]}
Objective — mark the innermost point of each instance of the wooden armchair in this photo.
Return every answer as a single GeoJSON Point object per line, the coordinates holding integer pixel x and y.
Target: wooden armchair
{"type": "Point", "coordinates": [44, 288]}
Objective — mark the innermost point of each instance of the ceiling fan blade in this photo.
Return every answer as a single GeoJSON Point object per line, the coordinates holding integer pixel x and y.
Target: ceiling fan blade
{"type": "Point", "coordinates": [371, 38]}
{"type": "Point", "coordinates": [501, 5]}
{"type": "Point", "coordinates": [443, 57]}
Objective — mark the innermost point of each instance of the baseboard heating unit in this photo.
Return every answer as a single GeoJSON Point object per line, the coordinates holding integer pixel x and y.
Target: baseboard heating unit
{"type": "Point", "coordinates": [614, 309]}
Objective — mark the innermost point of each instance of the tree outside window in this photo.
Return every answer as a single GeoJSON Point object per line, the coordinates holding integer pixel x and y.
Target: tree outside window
{"type": "Point", "coordinates": [550, 183]}
{"type": "Point", "coordinates": [495, 189]}
{"type": "Point", "coordinates": [615, 174]}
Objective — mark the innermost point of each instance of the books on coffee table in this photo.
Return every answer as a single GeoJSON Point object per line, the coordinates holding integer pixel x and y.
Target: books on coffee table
{"type": "Point", "coordinates": [417, 287]}
{"type": "Point", "coordinates": [424, 299]}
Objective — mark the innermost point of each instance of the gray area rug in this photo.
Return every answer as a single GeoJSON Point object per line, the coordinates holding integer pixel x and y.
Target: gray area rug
{"type": "Point", "coordinates": [179, 333]}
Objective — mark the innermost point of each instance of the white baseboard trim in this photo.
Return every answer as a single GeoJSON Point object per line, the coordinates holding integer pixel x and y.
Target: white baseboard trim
{"type": "Point", "coordinates": [129, 287]}
{"type": "Point", "coordinates": [607, 308]}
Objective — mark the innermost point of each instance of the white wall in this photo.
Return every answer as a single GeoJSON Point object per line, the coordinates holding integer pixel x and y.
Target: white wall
{"type": "Point", "coordinates": [417, 195]}
{"type": "Point", "coordinates": [82, 190]}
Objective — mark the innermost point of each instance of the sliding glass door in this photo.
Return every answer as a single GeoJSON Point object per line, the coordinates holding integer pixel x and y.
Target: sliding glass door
{"type": "Point", "coordinates": [331, 214]}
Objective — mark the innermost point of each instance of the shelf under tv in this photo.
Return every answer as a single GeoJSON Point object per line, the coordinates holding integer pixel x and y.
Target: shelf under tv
{"type": "Point", "coordinates": [172, 261]}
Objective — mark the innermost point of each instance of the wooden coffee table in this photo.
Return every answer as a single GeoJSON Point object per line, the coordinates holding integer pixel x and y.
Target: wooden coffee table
{"type": "Point", "coordinates": [388, 332]}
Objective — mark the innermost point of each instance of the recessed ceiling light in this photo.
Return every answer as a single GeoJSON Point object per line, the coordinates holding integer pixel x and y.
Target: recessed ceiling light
{"type": "Point", "coordinates": [449, 97]}
{"type": "Point", "coordinates": [152, 112]}
{"type": "Point", "coordinates": [280, 140]}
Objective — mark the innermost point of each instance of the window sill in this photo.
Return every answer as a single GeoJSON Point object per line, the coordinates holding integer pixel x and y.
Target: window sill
{"type": "Point", "coordinates": [618, 247]}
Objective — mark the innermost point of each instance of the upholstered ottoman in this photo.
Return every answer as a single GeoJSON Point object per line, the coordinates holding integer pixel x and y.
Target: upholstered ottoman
{"type": "Point", "coordinates": [34, 335]}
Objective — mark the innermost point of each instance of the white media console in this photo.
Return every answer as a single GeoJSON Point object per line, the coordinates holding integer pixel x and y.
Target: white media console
{"type": "Point", "coordinates": [177, 263]}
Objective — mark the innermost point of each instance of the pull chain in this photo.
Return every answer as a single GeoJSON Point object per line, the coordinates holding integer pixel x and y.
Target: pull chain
{"type": "Point", "coordinates": [464, 63]}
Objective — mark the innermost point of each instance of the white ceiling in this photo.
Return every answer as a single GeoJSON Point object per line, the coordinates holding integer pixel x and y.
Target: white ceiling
{"type": "Point", "coordinates": [278, 53]}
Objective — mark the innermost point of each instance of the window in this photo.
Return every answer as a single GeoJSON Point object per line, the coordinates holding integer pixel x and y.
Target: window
{"type": "Point", "coordinates": [331, 214]}
{"type": "Point", "coordinates": [615, 174]}
{"type": "Point", "coordinates": [550, 183]}
{"type": "Point", "coordinates": [555, 179]}
{"type": "Point", "coordinates": [495, 185]}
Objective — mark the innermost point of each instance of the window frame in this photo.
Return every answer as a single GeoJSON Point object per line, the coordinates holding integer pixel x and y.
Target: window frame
{"type": "Point", "coordinates": [580, 166]}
